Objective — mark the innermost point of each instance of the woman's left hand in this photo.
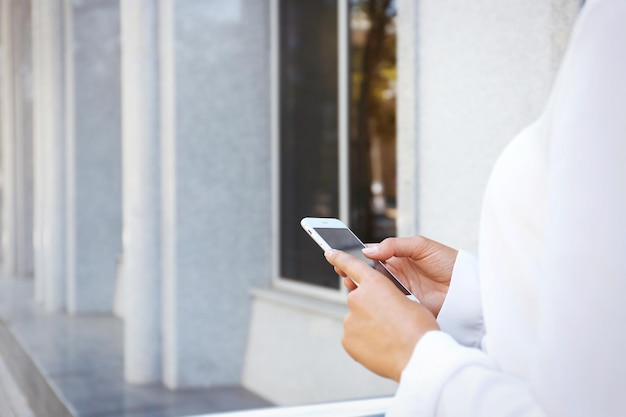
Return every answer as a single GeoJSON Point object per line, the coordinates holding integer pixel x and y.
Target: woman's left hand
{"type": "Point", "coordinates": [382, 326]}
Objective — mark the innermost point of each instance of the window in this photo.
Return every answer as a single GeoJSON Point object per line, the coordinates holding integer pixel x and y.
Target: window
{"type": "Point", "coordinates": [335, 126]}
{"type": "Point", "coordinates": [372, 119]}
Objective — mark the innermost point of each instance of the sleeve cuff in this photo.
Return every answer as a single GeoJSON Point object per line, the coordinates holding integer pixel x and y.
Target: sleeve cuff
{"type": "Point", "coordinates": [436, 358]}
{"type": "Point", "coordinates": [461, 313]}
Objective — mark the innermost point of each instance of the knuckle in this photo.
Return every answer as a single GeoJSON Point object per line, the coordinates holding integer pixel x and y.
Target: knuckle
{"type": "Point", "coordinates": [350, 301]}
{"type": "Point", "coordinates": [356, 299]}
{"type": "Point", "coordinates": [420, 241]}
{"type": "Point", "coordinates": [388, 243]}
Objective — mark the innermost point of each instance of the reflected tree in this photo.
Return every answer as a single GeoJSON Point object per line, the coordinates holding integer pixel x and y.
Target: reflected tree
{"type": "Point", "coordinates": [372, 116]}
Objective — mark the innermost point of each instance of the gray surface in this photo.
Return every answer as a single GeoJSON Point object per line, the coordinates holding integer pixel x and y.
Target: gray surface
{"type": "Point", "coordinates": [217, 205]}
{"type": "Point", "coordinates": [94, 155]}
{"type": "Point", "coordinates": [73, 365]}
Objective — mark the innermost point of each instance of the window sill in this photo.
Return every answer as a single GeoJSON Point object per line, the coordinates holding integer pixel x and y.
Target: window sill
{"type": "Point", "coordinates": [309, 304]}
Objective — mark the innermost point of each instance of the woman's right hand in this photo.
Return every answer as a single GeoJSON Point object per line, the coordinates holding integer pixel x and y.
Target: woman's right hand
{"type": "Point", "coordinates": [423, 265]}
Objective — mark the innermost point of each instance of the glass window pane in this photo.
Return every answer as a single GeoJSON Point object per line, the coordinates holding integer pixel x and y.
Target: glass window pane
{"type": "Point", "coordinates": [372, 119]}
{"type": "Point", "coordinates": [308, 133]}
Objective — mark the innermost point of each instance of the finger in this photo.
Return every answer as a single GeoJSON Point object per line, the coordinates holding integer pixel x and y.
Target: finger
{"type": "Point", "coordinates": [349, 284]}
{"type": "Point", "coordinates": [340, 272]}
{"type": "Point", "coordinates": [416, 247]}
{"type": "Point", "coordinates": [353, 267]}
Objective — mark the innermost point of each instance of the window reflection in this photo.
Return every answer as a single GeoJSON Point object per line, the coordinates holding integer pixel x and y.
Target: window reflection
{"type": "Point", "coordinates": [309, 119]}
{"type": "Point", "coordinates": [373, 118]}
{"type": "Point", "coordinates": [308, 133]}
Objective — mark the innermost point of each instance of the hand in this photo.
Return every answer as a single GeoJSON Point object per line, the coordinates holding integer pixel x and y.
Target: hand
{"type": "Point", "coordinates": [382, 326]}
{"type": "Point", "coordinates": [423, 265]}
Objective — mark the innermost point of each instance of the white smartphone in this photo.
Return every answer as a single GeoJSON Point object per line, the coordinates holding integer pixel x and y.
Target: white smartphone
{"type": "Point", "coordinates": [330, 233]}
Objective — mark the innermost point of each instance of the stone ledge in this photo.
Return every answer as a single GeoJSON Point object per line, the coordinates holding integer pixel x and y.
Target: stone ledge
{"type": "Point", "coordinates": [41, 396]}
{"type": "Point", "coordinates": [69, 366]}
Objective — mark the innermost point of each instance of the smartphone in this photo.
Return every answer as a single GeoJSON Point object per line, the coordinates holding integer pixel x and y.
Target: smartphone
{"type": "Point", "coordinates": [330, 233]}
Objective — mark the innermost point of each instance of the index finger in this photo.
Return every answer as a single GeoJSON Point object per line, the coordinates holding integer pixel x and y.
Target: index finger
{"type": "Point", "coordinates": [356, 269]}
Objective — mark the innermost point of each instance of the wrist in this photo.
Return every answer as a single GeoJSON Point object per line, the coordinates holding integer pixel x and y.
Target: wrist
{"type": "Point", "coordinates": [423, 324]}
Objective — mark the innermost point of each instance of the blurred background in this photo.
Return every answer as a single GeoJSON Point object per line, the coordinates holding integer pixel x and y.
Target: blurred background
{"type": "Point", "coordinates": [158, 155]}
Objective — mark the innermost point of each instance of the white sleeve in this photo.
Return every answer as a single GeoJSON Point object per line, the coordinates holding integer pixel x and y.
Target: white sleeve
{"type": "Point", "coordinates": [461, 313]}
{"type": "Point", "coordinates": [474, 386]}
{"type": "Point", "coordinates": [577, 364]}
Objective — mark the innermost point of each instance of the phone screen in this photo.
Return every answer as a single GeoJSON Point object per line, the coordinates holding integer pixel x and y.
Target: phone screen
{"type": "Point", "coordinates": [345, 240]}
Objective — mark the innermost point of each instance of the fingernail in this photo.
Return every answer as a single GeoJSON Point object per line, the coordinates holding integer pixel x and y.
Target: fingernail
{"type": "Point", "coordinates": [370, 250]}
{"type": "Point", "coordinates": [328, 253]}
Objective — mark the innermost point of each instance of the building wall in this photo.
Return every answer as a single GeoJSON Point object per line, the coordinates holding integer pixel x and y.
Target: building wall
{"type": "Point", "coordinates": [485, 72]}
{"type": "Point", "coordinates": [93, 156]}
{"type": "Point", "coordinates": [295, 355]}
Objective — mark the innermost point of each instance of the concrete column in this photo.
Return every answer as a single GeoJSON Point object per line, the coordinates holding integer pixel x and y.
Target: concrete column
{"type": "Point", "coordinates": [216, 183]}
{"type": "Point", "coordinates": [93, 153]}
{"type": "Point", "coordinates": [17, 168]}
{"type": "Point", "coordinates": [24, 141]}
{"type": "Point", "coordinates": [407, 117]}
{"type": "Point", "coordinates": [49, 128]}
{"type": "Point", "coordinates": [38, 155]}
{"type": "Point", "coordinates": [141, 277]}
{"type": "Point", "coordinates": [8, 91]}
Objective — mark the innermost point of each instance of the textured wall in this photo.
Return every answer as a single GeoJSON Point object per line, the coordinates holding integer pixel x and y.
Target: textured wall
{"type": "Point", "coordinates": [296, 357]}
{"type": "Point", "coordinates": [94, 153]}
{"type": "Point", "coordinates": [216, 189]}
{"type": "Point", "coordinates": [485, 69]}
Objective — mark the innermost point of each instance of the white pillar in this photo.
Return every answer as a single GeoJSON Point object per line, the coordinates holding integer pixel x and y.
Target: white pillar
{"type": "Point", "coordinates": [141, 277]}
{"type": "Point", "coordinates": [8, 90]}
{"type": "Point", "coordinates": [17, 187]}
{"type": "Point", "coordinates": [407, 108]}
{"type": "Point", "coordinates": [49, 153]}
{"type": "Point", "coordinates": [93, 153]}
{"type": "Point", "coordinates": [24, 140]}
{"type": "Point", "coordinates": [38, 155]}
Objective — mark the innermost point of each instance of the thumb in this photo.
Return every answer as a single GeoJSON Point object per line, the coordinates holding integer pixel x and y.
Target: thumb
{"type": "Point", "coordinates": [415, 247]}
